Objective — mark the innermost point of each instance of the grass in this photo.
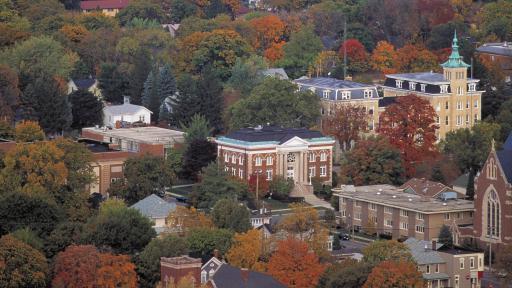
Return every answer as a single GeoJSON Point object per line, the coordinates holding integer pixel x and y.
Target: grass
{"type": "Point", "coordinates": [275, 204]}
{"type": "Point", "coordinates": [183, 191]}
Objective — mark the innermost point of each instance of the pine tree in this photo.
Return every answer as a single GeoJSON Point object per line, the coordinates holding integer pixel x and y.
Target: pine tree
{"type": "Point", "coordinates": [150, 97]}
{"type": "Point", "coordinates": [87, 109]}
{"type": "Point", "coordinates": [211, 101]}
{"type": "Point", "coordinates": [166, 91]}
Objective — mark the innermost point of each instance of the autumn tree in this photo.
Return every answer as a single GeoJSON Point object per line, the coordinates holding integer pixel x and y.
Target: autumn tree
{"type": "Point", "coordinates": [118, 265]}
{"type": "Point", "coordinates": [247, 250]}
{"type": "Point", "coordinates": [385, 250]}
{"type": "Point", "coordinates": [415, 58]}
{"type": "Point", "coordinates": [357, 57]}
{"type": "Point", "coordinates": [325, 63]}
{"type": "Point", "coordinates": [268, 31]}
{"type": "Point", "coordinates": [346, 123]}
{"type": "Point", "coordinates": [391, 274]}
{"type": "Point", "coordinates": [9, 92]}
{"type": "Point", "coordinates": [294, 265]}
{"type": "Point", "coordinates": [347, 274]}
{"type": "Point", "coordinates": [372, 161]}
{"type": "Point", "coordinates": [74, 33]}
{"type": "Point", "coordinates": [230, 214]}
{"type": "Point", "coordinates": [384, 58]}
{"type": "Point", "coordinates": [21, 265]}
{"type": "Point", "coordinates": [504, 263]}
{"type": "Point", "coordinates": [203, 242]}
{"type": "Point", "coordinates": [183, 219]}
{"type": "Point", "coordinates": [28, 131]}
{"type": "Point", "coordinates": [410, 126]}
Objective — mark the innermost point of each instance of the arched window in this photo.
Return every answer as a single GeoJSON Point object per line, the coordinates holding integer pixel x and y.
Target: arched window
{"type": "Point", "coordinates": [492, 169]}
{"type": "Point", "coordinates": [493, 214]}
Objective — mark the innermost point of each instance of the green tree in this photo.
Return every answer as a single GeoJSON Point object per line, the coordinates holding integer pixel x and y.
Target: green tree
{"type": "Point", "coordinates": [229, 214]}
{"type": "Point", "coordinates": [64, 234]}
{"type": "Point", "coordinates": [384, 250]}
{"type": "Point", "coordinates": [445, 236]}
{"type": "Point", "coordinates": [246, 74]}
{"type": "Point", "coordinates": [470, 147]}
{"type": "Point", "coordinates": [216, 184]}
{"type": "Point", "coordinates": [27, 236]}
{"type": "Point", "coordinates": [280, 187]}
{"type": "Point", "coordinates": [6, 130]}
{"type": "Point", "coordinates": [9, 92]}
{"type": "Point", "coordinates": [148, 261]}
{"type": "Point", "coordinates": [86, 108]}
{"type": "Point", "coordinates": [504, 118]}
{"type": "Point", "coordinates": [496, 19]}
{"type": "Point", "coordinates": [276, 102]}
{"type": "Point", "coordinates": [22, 265]}
{"type": "Point", "coordinates": [181, 9]}
{"type": "Point", "coordinates": [122, 229]}
{"type": "Point", "coordinates": [197, 129]}
{"type": "Point", "coordinates": [166, 90]}
{"type": "Point", "coordinates": [112, 83]}
{"type": "Point", "coordinates": [142, 10]}
{"type": "Point", "coordinates": [372, 161]}
{"type": "Point", "coordinates": [347, 274]}
{"type": "Point", "coordinates": [144, 175]}
{"type": "Point", "coordinates": [300, 52]}
{"type": "Point", "coordinates": [202, 242]}
{"type": "Point", "coordinates": [199, 154]}
{"type": "Point", "coordinates": [150, 98]}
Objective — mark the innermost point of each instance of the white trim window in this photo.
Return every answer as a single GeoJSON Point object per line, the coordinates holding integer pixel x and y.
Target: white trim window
{"type": "Point", "coordinates": [343, 213]}
{"type": "Point", "coordinates": [399, 83]}
{"type": "Point", "coordinates": [404, 213]}
{"type": "Point", "coordinates": [472, 262]}
{"type": "Point", "coordinates": [368, 93]}
{"type": "Point", "coordinates": [345, 95]}
{"type": "Point", "coordinates": [358, 203]}
{"type": "Point", "coordinates": [388, 223]}
{"type": "Point", "coordinates": [437, 268]}
{"type": "Point", "coordinates": [420, 228]}
{"type": "Point", "coordinates": [467, 104]}
{"type": "Point", "coordinates": [459, 120]}
{"type": "Point", "coordinates": [471, 87]}
{"type": "Point", "coordinates": [323, 171]}
{"type": "Point", "coordinates": [357, 216]}
{"type": "Point", "coordinates": [312, 172]}
{"type": "Point", "coordinates": [422, 87]}
{"type": "Point", "coordinates": [269, 174]}
{"type": "Point", "coordinates": [438, 107]}
{"type": "Point", "coordinates": [226, 169]}
{"type": "Point", "coordinates": [323, 156]}
{"type": "Point", "coordinates": [233, 159]}
{"type": "Point", "coordinates": [241, 173]}
{"type": "Point", "coordinates": [444, 88]}
{"type": "Point", "coordinates": [233, 171]}
{"type": "Point", "coordinates": [460, 90]}
{"type": "Point", "coordinates": [326, 94]}
{"type": "Point", "coordinates": [226, 157]}
{"type": "Point", "coordinates": [241, 160]}
{"type": "Point", "coordinates": [388, 210]}
{"type": "Point", "coordinates": [461, 263]}
{"type": "Point", "coordinates": [312, 157]}
{"type": "Point", "coordinates": [467, 119]}
{"type": "Point", "coordinates": [446, 120]}
{"type": "Point", "coordinates": [404, 225]}
{"type": "Point", "coordinates": [258, 161]}
{"type": "Point", "coordinates": [428, 269]}
{"type": "Point", "coordinates": [412, 85]}
{"type": "Point", "coordinates": [373, 206]}
{"type": "Point", "coordinates": [446, 216]}
{"type": "Point", "coordinates": [269, 160]}
{"type": "Point", "coordinates": [420, 216]}
{"type": "Point", "coordinates": [476, 104]}
{"type": "Point", "coordinates": [459, 105]}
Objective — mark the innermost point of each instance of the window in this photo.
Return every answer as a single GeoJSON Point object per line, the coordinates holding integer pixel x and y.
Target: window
{"type": "Point", "coordinates": [459, 105]}
{"type": "Point", "coordinates": [323, 156]}
{"type": "Point", "coordinates": [492, 169]}
{"type": "Point", "coordinates": [404, 225]}
{"type": "Point", "coordinates": [467, 104]}
{"type": "Point", "coordinates": [358, 203]}
{"type": "Point", "coordinates": [233, 171]}
{"type": "Point", "coordinates": [241, 160]}
{"type": "Point", "coordinates": [467, 119]}
{"type": "Point", "coordinates": [399, 83]}
{"type": "Point", "coordinates": [233, 158]}
{"type": "Point", "coordinates": [493, 214]}
{"type": "Point", "coordinates": [459, 120]}
{"type": "Point", "coordinates": [323, 171]}
{"type": "Point", "coordinates": [437, 268]}
{"type": "Point", "coordinates": [472, 87]}
{"type": "Point", "coordinates": [368, 93]}
{"type": "Point", "coordinates": [460, 91]}
{"type": "Point", "coordinates": [312, 172]}
{"type": "Point", "coordinates": [388, 210]}
{"type": "Point", "coordinates": [203, 277]}
{"type": "Point", "coordinates": [312, 157]}
{"type": "Point", "coordinates": [373, 206]}
{"type": "Point", "coordinates": [456, 281]}
{"type": "Point", "coordinates": [420, 216]}
{"type": "Point", "coordinates": [476, 103]}
{"type": "Point", "coordinates": [412, 86]}
{"type": "Point", "coordinates": [114, 179]}
{"type": "Point", "coordinates": [428, 269]}
{"type": "Point", "coordinates": [420, 228]}
{"type": "Point", "coordinates": [269, 174]}
{"type": "Point", "coordinates": [444, 88]}
{"type": "Point", "coordinates": [461, 263]}
{"type": "Point", "coordinates": [438, 107]}
{"type": "Point", "coordinates": [388, 223]}
{"type": "Point", "coordinates": [116, 169]}
{"type": "Point", "coordinates": [343, 213]}
{"type": "Point", "coordinates": [446, 120]}
{"type": "Point", "coordinates": [326, 94]}
{"type": "Point", "coordinates": [373, 219]}
{"type": "Point", "coordinates": [345, 95]}
{"type": "Point", "coordinates": [472, 262]}
{"type": "Point", "coordinates": [475, 118]}
{"type": "Point", "coordinates": [446, 216]}
{"type": "Point", "coordinates": [404, 213]}
{"type": "Point", "coordinates": [446, 105]}
{"type": "Point", "coordinates": [480, 262]}
{"type": "Point", "coordinates": [269, 160]}
{"type": "Point", "coordinates": [357, 216]}
{"type": "Point", "coordinates": [448, 75]}
{"type": "Point", "coordinates": [422, 86]}
{"type": "Point", "coordinates": [241, 173]}
{"type": "Point", "coordinates": [438, 120]}
{"type": "Point", "coordinates": [258, 161]}
{"type": "Point", "coordinates": [226, 169]}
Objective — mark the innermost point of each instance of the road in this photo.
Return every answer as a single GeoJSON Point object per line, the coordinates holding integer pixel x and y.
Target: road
{"type": "Point", "coordinates": [352, 246]}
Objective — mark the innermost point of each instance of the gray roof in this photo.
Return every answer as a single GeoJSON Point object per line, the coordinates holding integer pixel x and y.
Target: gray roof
{"type": "Point", "coordinates": [154, 207]}
{"type": "Point", "coordinates": [505, 158]}
{"type": "Point", "coordinates": [125, 109]}
{"type": "Point", "coordinates": [504, 49]}
{"type": "Point", "coordinates": [435, 276]}
{"type": "Point", "coordinates": [275, 72]}
{"type": "Point", "coordinates": [230, 277]}
{"type": "Point", "coordinates": [461, 181]}
{"type": "Point", "coordinates": [321, 84]}
{"type": "Point", "coordinates": [426, 77]}
{"type": "Point", "coordinates": [421, 255]}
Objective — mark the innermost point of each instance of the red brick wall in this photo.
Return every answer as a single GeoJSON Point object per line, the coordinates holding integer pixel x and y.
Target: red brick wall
{"type": "Point", "coordinates": [153, 149]}
{"type": "Point", "coordinates": [177, 274]}
{"type": "Point", "coordinates": [92, 135]}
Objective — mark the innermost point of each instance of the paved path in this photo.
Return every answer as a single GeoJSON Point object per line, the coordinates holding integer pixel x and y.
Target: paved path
{"type": "Point", "coordinates": [312, 200]}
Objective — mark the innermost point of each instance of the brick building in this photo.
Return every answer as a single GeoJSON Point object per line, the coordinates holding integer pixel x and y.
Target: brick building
{"type": "Point", "coordinates": [388, 210]}
{"type": "Point", "coordinates": [499, 53]}
{"type": "Point", "coordinates": [296, 153]}
{"type": "Point", "coordinates": [107, 7]}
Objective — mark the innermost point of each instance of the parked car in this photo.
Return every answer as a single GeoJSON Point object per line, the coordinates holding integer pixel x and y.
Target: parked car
{"type": "Point", "coordinates": [344, 237]}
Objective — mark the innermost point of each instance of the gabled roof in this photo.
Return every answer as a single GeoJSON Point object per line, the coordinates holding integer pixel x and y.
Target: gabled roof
{"type": "Point", "coordinates": [124, 109]}
{"type": "Point", "coordinates": [84, 83]}
{"type": "Point", "coordinates": [154, 207]}
{"type": "Point", "coordinates": [504, 48]}
{"type": "Point", "coordinates": [230, 277]}
{"type": "Point", "coordinates": [425, 187]}
{"type": "Point", "coordinates": [275, 72]}
{"type": "Point", "coordinates": [505, 158]}
{"type": "Point", "coordinates": [103, 4]}
{"type": "Point", "coordinates": [422, 252]}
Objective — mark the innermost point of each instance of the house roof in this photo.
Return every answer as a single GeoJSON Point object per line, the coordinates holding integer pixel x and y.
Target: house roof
{"type": "Point", "coordinates": [331, 83]}
{"type": "Point", "coordinates": [84, 83]}
{"type": "Point", "coordinates": [504, 48]}
{"type": "Point", "coordinates": [273, 134]}
{"type": "Point", "coordinates": [421, 77]}
{"type": "Point", "coordinates": [154, 207]}
{"type": "Point", "coordinates": [230, 277]}
{"type": "Point", "coordinates": [461, 181]}
{"type": "Point", "coordinates": [423, 253]}
{"type": "Point", "coordinates": [275, 72]}
{"type": "Point", "coordinates": [386, 101]}
{"type": "Point", "coordinates": [422, 186]}
{"type": "Point", "coordinates": [505, 158]}
{"type": "Point", "coordinates": [124, 109]}
{"type": "Point", "coordinates": [148, 134]}
{"type": "Point", "coordinates": [103, 4]}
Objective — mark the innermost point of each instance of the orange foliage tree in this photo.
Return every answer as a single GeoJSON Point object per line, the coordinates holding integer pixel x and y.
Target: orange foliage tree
{"type": "Point", "coordinates": [275, 51]}
{"type": "Point", "coordinates": [28, 131]}
{"type": "Point", "coordinates": [384, 57]}
{"type": "Point", "coordinates": [182, 219]}
{"type": "Point", "coordinates": [247, 250]}
{"type": "Point", "coordinates": [410, 126]}
{"type": "Point", "coordinates": [415, 58]}
{"type": "Point", "coordinates": [74, 33]}
{"type": "Point", "coordinates": [294, 265]}
{"type": "Point", "coordinates": [84, 266]}
{"type": "Point", "coordinates": [346, 123]}
{"type": "Point", "coordinates": [391, 274]}
{"type": "Point", "coordinates": [357, 57]}
{"type": "Point", "coordinates": [269, 31]}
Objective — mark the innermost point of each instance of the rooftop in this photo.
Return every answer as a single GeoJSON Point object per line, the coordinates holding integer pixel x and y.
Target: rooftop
{"type": "Point", "coordinates": [422, 77]}
{"type": "Point", "coordinates": [331, 83]}
{"type": "Point", "coordinates": [124, 109]}
{"type": "Point", "coordinates": [232, 277]}
{"type": "Point", "coordinates": [103, 4]}
{"type": "Point", "coordinates": [392, 196]}
{"type": "Point", "coordinates": [154, 207]}
{"type": "Point", "coordinates": [273, 134]}
{"type": "Point", "coordinates": [149, 134]}
{"type": "Point", "coordinates": [423, 253]}
{"type": "Point", "coordinates": [503, 48]}
{"type": "Point", "coordinates": [185, 259]}
{"type": "Point", "coordinates": [422, 186]}
{"type": "Point", "coordinates": [275, 72]}
{"type": "Point", "coordinates": [97, 146]}
{"type": "Point", "coordinates": [505, 158]}
{"type": "Point", "coordinates": [84, 83]}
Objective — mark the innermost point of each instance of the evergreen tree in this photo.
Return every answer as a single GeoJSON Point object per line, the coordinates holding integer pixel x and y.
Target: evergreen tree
{"type": "Point", "coordinates": [86, 108]}
{"type": "Point", "coordinates": [445, 236]}
{"type": "Point", "coordinates": [197, 129]}
{"type": "Point", "coordinates": [166, 91]}
{"type": "Point", "coordinates": [210, 91]}
{"type": "Point", "coordinates": [150, 97]}
{"type": "Point", "coordinates": [112, 83]}
{"type": "Point", "coordinates": [437, 174]}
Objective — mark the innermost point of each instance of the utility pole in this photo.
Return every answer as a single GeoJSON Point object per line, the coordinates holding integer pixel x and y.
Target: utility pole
{"type": "Point", "coordinates": [257, 184]}
{"type": "Point", "coordinates": [345, 49]}
{"type": "Point", "coordinates": [490, 257]}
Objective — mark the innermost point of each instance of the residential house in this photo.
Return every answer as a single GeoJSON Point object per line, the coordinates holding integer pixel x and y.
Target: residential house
{"type": "Point", "coordinates": [278, 73]}
{"type": "Point", "coordinates": [453, 95]}
{"type": "Point", "coordinates": [214, 273]}
{"type": "Point", "coordinates": [296, 153]}
{"type": "Point", "coordinates": [88, 84]}
{"type": "Point", "coordinates": [107, 7]}
{"type": "Point", "coordinates": [424, 187]}
{"type": "Point", "coordinates": [387, 210]}
{"type": "Point", "coordinates": [151, 140]}
{"type": "Point", "coordinates": [334, 92]}
{"type": "Point", "coordinates": [117, 116]}
{"type": "Point", "coordinates": [156, 209]}
{"type": "Point", "coordinates": [260, 217]}
{"type": "Point", "coordinates": [500, 54]}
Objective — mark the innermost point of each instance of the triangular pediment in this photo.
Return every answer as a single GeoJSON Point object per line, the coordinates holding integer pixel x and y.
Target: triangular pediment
{"type": "Point", "coordinates": [294, 142]}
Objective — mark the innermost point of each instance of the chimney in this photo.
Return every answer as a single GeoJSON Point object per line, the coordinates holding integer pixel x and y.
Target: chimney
{"type": "Point", "coordinates": [216, 254]}
{"type": "Point", "coordinates": [126, 99]}
{"type": "Point", "coordinates": [176, 268]}
{"type": "Point", "coordinates": [426, 247]}
{"type": "Point", "coordinates": [434, 245]}
{"type": "Point", "coordinates": [245, 274]}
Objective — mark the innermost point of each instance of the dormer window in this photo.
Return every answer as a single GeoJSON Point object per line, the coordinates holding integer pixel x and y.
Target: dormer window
{"type": "Point", "coordinates": [399, 83]}
{"type": "Point", "coordinates": [368, 93]}
{"type": "Point", "coordinates": [345, 95]}
{"type": "Point", "coordinates": [326, 94]}
{"type": "Point", "coordinates": [422, 87]}
{"type": "Point", "coordinates": [472, 87]}
{"type": "Point", "coordinates": [412, 86]}
{"type": "Point", "coordinates": [444, 88]}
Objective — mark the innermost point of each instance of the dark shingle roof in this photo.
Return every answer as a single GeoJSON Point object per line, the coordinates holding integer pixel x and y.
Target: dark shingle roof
{"type": "Point", "coordinates": [272, 133]}
{"type": "Point", "coordinates": [504, 49]}
{"type": "Point", "coordinates": [386, 101]}
{"type": "Point", "coordinates": [322, 84]}
{"type": "Point", "coordinates": [505, 158]}
{"type": "Point", "coordinates": [84, 83]}
{"type": "Point", "coordinates": [230, 277]}
{"type": "Point", "coordinates": [420, 77]}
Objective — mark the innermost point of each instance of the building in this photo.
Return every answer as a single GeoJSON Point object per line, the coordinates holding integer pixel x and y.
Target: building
{"type": "Point", "coordinates": [278, 73]}
{"type": "Point", "coordinates": [214, 273]}
{"type": "Point", "coordinates": [334, 92]}
{"type": "Point", "coordinates": [152, 140]}
{"type": "Point", "coordinates": [88, 84]}
{"type": "Point", "coordinates": [460, 184]}
{"type": "Point", "coordinates": [388, 210]}
{"type": "Point", "coordinates": [107, 7]}
{"type": "Point", "coordinates": [442, 266]}
{"type": "Point", "coordinates": [171, 28]}
{"type": "Point", "coordinates": [260, 217]}
{"type": "Point", "coordinates": [499, 53]}
{"type": "Point", "coordinates": [453, 95]}
{"type": "Point", "coordinates": [121, 115]}
{"type": "Point", "coordinates": [156, 209]}
{"type": "Point", "coordinates": [296, 153]}
{"type": "Point", "coordinates": [424, 187]}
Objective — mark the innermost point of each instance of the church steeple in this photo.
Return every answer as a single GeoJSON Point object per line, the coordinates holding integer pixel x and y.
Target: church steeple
{"type": "Point", "coordinates": [455, 60]}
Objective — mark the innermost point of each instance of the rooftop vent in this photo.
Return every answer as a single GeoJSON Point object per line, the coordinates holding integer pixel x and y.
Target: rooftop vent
{"type": "Point", "coordinates": [444, 204]}
{"type": "Point", "coordinates": [394, 196]}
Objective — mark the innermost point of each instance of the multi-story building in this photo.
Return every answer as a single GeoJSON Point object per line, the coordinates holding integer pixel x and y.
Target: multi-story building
{"type": "Point", "coordinates": [388, 210]}
{"type": "Point", "coordinates": [107, 7]}
{"type": "Point", "coordinates": [296, 153]}
{"type": "Point", "coordinates": [442, 266]}
{"type": "Point", "coordinates": [499, 54]}
{"type": "Point", "coordinates": [453, 95]}
{"type": "Point", "coordinates": [334, 92]}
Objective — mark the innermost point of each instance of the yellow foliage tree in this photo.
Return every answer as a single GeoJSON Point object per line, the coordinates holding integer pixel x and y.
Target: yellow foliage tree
{"type": "Point", "coordinates": [247, 250]}
{"type": "Point", "coordinates": [383, 57]}
{"type": "Point", "coordinates": [183, 219]}
{"type": "Point", "coordinates": [28, 131]}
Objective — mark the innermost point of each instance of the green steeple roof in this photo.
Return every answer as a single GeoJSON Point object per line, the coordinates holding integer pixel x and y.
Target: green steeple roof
{"type": "Point", "coordinates": [455, 60]}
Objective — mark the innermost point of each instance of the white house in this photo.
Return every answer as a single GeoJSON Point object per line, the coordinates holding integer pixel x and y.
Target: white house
{"type": "Point", "coordinates": [126, 112]}
{"type": "Point", "coordinates": [156, 209]}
